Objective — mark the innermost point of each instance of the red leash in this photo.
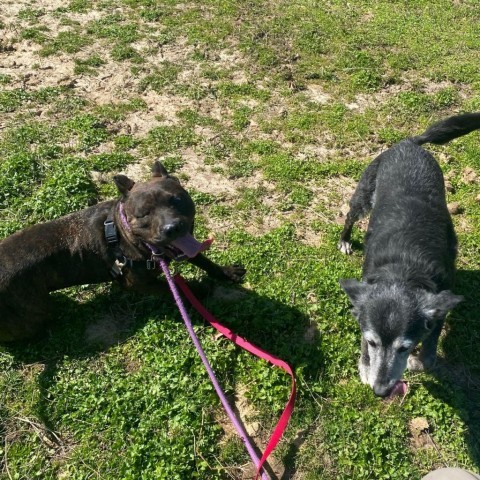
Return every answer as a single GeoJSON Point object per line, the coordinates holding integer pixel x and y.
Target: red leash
{"type": "Point", "coordinates": [241, 342]}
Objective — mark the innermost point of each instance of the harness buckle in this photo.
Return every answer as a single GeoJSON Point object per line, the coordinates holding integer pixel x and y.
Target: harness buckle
{"type": "Point", "coordinates": [110, 231]}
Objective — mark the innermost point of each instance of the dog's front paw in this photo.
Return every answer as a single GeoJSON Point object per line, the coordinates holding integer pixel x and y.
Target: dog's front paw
{"type": "Point", "coordinates": [420, 364]}
{"type": "Point", "coordinates": [345, 247]}
{"type": "Point", "coordinates": [235, 273]}
{"type": "Point", "coordinates": [414, 364]}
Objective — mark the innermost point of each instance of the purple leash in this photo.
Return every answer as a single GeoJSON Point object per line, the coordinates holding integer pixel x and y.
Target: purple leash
{"type": "Point", "coordinates": [188, 323]}
{"type": "Point", "coordinates": [183, 312]}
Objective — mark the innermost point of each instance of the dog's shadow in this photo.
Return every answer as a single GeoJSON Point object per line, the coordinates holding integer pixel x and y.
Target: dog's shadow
{"type": "Point", "coordinates": [458, 372]}
{"type": "Point", "coordinates": [85, 330]}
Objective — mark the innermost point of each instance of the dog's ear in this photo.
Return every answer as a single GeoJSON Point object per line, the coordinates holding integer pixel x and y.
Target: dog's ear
{"type": "Point", "coordinates": [158, 170]}
{"type": "Point", "coordinates": [123, 183]}
{"type": "Point", "coordinates": [354, 289]}
{"type": "Point", "coordinates": [436, 306]}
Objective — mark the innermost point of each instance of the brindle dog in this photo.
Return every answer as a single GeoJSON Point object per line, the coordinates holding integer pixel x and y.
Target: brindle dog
{"type": "Point", "coordinates": [94, 246]}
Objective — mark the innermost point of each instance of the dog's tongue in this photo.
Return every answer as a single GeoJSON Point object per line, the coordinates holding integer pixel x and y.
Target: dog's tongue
{"type": "Point", "coordinates": [399, 389]}
{"type": "Point", "coordinates": [190, 246]}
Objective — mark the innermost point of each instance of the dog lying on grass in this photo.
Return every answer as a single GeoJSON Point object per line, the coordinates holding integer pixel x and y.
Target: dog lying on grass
{"type": "Point", "coordinates": [410, 250]}
{"type": "Point", "coordinates": [93, 246]}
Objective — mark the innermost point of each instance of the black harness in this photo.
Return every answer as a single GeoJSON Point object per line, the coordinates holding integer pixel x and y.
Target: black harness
{"type": "Point", "coordinates": [167, 253]}
{"type": "Point", "coordinates": [113, 243]}
{"type": "Point", "coordinates": [121, 261]}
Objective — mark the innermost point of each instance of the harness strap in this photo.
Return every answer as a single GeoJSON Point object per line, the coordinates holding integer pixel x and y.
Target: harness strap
{"type": "Point", "coordinates": [110, 231]}
{"type": "Point", "coordinates": [113, 243]}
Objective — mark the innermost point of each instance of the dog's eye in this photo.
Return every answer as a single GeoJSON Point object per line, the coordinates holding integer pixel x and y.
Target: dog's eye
{"type": "Point", "coordinates": [174, 200]}
{"type": "Point", "coordinates": [402, 349]}
{"type": "Point", "coordinates": [371, 343]}
{"type": "Point", "coordinates": [429, 324]}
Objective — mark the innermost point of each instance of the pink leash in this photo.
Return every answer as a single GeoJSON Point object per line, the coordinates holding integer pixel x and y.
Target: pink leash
{"type": "Point", "coordinates": [259, 352]}
{"type": "Point", "coordinates": [241, 342]}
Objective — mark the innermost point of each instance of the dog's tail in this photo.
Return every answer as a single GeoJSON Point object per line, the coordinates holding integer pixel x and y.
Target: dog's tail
{"type": "Point", "coordinates": [445, 130]}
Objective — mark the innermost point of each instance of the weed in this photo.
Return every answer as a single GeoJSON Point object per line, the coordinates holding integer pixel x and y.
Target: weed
{"type": "Point", "coordinates": [162, 77]}
{"type": "Point", "coordinates": [162, 140]}
{"type": "Point", "coordinates": [37, 34]}
{"type": "Point", "coordinates": [107, 162]}
{"type": "Point", "coordinates": [11, 100]}
{"type": "Point", "coordinates": [31, 14]}
{"type": "Point", "coordinates": [68, 42]}
{"type": "Point", "coordinates": [88, 130]}
{"type": "Point", "coordinates": [88, 65]}
{"type": "Point", "coordinates": [118, 111]}
{"type": "Point", "coordinates": [113, 27]}
{"type": "Point", "coordinates": [123, 51]}
{"type": "Point", "coordinates": [5, 79]}
{"type": "Point", "coordinates": [80, 6]}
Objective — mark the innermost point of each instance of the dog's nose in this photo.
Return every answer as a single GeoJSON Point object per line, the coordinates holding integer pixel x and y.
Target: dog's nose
{"type": "Point", "coordinates": [382, 390]}
{"type": "Point", "coordinates": [172, 229]}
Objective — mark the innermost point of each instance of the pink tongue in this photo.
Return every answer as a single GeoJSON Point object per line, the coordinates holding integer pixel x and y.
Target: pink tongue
{"type": "Point", "coordinates": [399, 389]}
{"type": "Point", "coordinates": [190, 246]}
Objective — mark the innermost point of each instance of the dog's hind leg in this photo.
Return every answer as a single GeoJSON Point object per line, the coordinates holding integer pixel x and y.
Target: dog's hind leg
{"type": "Point", "coordinates": [360, 204]}
{"type": "Point", "coordinates": [22, 323]}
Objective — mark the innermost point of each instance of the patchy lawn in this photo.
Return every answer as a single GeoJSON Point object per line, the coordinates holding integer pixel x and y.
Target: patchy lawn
{"type": "Point", "coordinates": [267, 112]}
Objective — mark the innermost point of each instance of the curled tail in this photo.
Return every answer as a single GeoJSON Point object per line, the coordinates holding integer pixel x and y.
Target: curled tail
{"type": "Point", "coordinates": [445, 130]}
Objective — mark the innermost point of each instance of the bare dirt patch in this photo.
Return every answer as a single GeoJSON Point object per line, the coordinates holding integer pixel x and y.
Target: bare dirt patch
{"type": "Point", "coordinates": [108, 330]}
{"type": "Point", "coordinates": [363, 101]}
{"type": "Point", "coordinates": [245, 411]}
{"type": "Point", "coordinates": [317, 94]}
{"type": "Point", "coordinates": [201, 177]}
{"type": "Point", "coordinates": [420, 433]}
{"type": "Point", "coordinates": [262, 224]}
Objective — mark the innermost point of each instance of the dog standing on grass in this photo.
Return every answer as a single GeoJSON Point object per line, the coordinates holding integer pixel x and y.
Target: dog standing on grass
{"type": "Point", "coordinates": [410, 250]}
{"type": "Point", "coordinates": [102, 243]}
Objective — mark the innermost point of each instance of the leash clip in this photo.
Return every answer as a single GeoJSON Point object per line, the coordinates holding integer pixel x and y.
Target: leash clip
{"type": "Point", "coordinates": [152, 262]}
{"type": "Point", "coordinates": [119, 265]}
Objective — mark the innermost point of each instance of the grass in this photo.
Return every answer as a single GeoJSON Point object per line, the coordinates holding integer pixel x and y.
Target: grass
{"type": "Point", "coordinates": [268, 112]}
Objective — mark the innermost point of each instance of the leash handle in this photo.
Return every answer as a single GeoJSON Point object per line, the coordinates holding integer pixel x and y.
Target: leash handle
{"type": "Point", "coordinates": [259, 352]}
{"type": "Point", "coordinates": [183, 312]}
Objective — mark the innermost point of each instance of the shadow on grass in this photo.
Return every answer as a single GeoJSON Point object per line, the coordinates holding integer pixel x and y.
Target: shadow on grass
{"type": "Point", "coordinates": [459, 370]}
{"type": "Point", "coordinates": [84, 330]}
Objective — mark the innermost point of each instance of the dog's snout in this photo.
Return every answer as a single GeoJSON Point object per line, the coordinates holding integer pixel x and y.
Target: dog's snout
{"type": "Point", "coordinates": [382, 390]}
{"type": "Point", "coordinates": [172, 228]}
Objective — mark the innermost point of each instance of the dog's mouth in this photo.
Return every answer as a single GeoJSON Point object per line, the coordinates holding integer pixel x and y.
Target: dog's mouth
{"type": "Point", "coordinates": [186, 246]}
{"type": "Point", "coordinates": [400, 389]}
